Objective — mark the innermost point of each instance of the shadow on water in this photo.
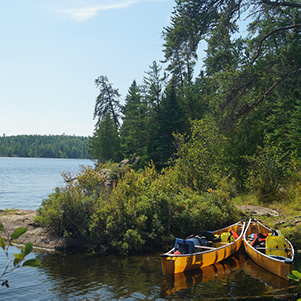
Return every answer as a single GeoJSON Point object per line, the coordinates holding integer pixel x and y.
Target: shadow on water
{"type": "Point", "coordinates": [140, 277]}
{"type": "Point", "coordinates": [94, 276]}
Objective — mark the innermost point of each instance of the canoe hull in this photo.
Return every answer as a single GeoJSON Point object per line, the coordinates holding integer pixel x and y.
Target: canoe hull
{"type": "Point", "coordinates": [173, 264]}
{"type": "Point", "coordinates": [280, 268]}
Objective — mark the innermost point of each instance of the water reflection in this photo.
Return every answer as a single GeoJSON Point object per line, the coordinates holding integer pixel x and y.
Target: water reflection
{"type": "Point", "coordinates": [140, 277]}
{"type": "Point", "coordinates": [186, 283]}
{"type": "Point", "coordinates": [236, 277]}
{"type": "Point", "coordinates": [89, 276]}
{"type": "Point", "coordinates": [96, 276]}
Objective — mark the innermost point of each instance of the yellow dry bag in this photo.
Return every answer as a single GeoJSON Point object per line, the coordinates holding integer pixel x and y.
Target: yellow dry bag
{"type": "Point", "coordinates": [227, 237]}
{"type": "Point", "coordinates": [275, 245]}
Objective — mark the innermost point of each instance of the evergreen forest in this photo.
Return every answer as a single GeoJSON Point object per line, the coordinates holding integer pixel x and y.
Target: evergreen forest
{"type": "Point", "coordinates": [42, 146]}
{"type": "Point", "coordinates": [247, 86]}
{"type": "Point", "coordinates": [199, 133]}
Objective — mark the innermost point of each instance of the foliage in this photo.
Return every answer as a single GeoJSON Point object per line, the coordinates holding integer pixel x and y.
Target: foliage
{"type": "Point", "coordinates": [153, 85]}
{"type": "Point", "coordinates": [201, 158]}
{"type": "Point", "coordinates": [205, 134]}
{"type": "Point", "coordinates": [52, 146]}
{"type": "Point", "coordinates": [67, 211]}
{"type": "Point", "coordinates": [171, 118]}
{"type": "Point", "coordinates": [107, 101]}
{"type": "Point", "coordinates": [144, 210]}
{"type": "Point", "coordinates": [249, 85]}
{"type": "Point", "coordinates": [104, 145]}
{"type": "Point", "coordinates": [133, 131]}
{"type": "Point", "coordinates": [295, 275]}
{"type": "Point", "coordinates": [269, 169]}
{"type": "Point", "coordinates": [19, 258]}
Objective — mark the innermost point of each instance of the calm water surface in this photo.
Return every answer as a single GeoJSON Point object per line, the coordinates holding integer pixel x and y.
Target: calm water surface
{"type": "Point", "coordinates": [25, 182]}
{"type": "Point", "coordinates": [83, 276]}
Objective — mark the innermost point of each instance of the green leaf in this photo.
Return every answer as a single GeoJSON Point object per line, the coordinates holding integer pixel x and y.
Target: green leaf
{"type": "Point", "coordinates": [293, 277]}
{"type": "Point", "coordinates": [27, 249]}
{"type": "Point", "coordinates": [2, 243]}
{"type": "Point", "coordinates": [296, 273]}
{"type": "Point", "coordinates": [19, 256]}
{"type": "Point", "coordinates": [18, 232]}
{"type": "Point", "coordinates": [17, 261]}
{"type": "Point", "coordinates": [31, 263]}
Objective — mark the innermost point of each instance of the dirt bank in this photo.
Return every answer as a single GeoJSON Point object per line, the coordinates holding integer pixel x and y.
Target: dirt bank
{"type": "Point", "coordinates": [257, 210]}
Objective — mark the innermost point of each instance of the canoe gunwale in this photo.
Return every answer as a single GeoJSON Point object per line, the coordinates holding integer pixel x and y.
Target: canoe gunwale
{"type": "Point", "coordinates": [178, 263]}
{"type": "Point", "coordinates": [266, 260]}
{"type": "Point", "coordinates": [262, 254]}
{"type": "Point", "coordinates": [240, 223]}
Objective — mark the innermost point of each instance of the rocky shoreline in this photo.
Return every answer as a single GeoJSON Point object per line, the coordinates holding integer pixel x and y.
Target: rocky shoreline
{"type": "Point", "coordinates": [39, 237]}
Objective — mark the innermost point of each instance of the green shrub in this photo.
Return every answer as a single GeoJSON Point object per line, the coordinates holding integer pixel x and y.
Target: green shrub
{"type": "Point", "coordinates": [270, 169]}
{"type": "Point", "coordinates": [144, 210]}
{"type": "Point", "coordinates": [193, 213]}
{"type": "Point", "coordinates": [68, 210]}
{"type": "Point", "coordinates": [153, 207]}
{"type": "Point", "coordinates": [201, 158]}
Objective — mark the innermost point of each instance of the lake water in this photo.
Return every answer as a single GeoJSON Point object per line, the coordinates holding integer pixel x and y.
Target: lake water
{"type": "Point", "coordinates": [24, 182]}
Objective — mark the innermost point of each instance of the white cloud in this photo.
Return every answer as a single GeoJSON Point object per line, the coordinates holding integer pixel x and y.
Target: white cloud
{"type": "Point", "coordinates": [87, 12]}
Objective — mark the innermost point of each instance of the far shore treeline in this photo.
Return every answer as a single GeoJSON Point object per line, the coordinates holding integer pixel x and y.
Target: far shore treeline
{"type": "Point", "coordinates": [44, 146]}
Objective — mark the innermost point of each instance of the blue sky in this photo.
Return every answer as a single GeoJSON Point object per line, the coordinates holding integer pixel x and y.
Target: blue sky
{"type": "Point", "coordinates": [52, 51]}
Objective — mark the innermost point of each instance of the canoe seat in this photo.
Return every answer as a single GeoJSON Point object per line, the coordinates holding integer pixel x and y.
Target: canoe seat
{"type": "Point", "coordinates": [202, 248]}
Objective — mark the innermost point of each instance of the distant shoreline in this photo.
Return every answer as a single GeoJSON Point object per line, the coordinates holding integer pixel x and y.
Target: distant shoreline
{"type": "Point", "coordinates": [43, 146]}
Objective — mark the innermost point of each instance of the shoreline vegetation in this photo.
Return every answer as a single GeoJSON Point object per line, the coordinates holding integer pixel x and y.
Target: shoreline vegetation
{"type": "Point", "coordinates": [43, 240]}
{"type": "Point", "coordinates": [111, 208]}
{"type": "Point", "coordinates": [44, 146]}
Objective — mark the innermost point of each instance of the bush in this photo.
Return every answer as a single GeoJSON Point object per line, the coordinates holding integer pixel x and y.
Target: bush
{"type": "Point", "coordinates": [201, 158]}
{"type": "Point", "coordinates": [68, 211]}
{"type": "Point", "coordinates": [270, 169]}
{"type": "Point", "coordinates": [144, 210]}
{"type": "Point", "coordinates": [147, 209]}
{"type": "Point", "coordinates": [208, 211]}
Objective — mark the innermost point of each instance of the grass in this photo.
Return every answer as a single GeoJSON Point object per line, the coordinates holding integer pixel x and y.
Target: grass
{"type": "Point", "coordinates": [289, 219]}
{"type": "Point", "coordinates": [14, 211]}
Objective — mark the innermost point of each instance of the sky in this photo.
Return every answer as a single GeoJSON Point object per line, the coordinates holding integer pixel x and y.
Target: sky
{"type": "Point", "coordinates": [52, 51]}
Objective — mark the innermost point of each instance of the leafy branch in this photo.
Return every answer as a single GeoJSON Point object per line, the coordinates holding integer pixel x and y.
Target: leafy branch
{"type": "Point", "coordinates": [19, 258]}
{"type": "Point", "coordinates": [271, 33]}
{"type": "Point", "coordinates": [282, 3]}
{"type": "Point", "coordinates": [269, 91]}
{"type": "Point", "coordinates": [295, 275]}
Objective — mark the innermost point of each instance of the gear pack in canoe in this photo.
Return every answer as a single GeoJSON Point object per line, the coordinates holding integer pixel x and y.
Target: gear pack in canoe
{"type": "Point", "coordinates": [272, 244]}
{"type": "Point", "coordinates": [204, 239]}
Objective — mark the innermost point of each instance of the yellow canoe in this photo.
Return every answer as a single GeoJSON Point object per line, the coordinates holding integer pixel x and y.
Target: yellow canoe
{"type": "Point", "coordinates": [278, 265]}
{"type": "Point", "coordinates": [204, 256]}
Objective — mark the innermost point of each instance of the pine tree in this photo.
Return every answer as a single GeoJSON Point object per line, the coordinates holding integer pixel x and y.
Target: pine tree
{"type": "Point", "coordinates": [171, 119]}
{"type": "Point", "coordinates": [107, 101]}
{"type": "Point", "coordinates": [134, 128]}
{"type": "Point", "coordinates": [104, 145]}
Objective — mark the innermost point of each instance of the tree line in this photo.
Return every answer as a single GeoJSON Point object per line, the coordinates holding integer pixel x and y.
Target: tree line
{"type": "Point", "coordinates": [43, 146]}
